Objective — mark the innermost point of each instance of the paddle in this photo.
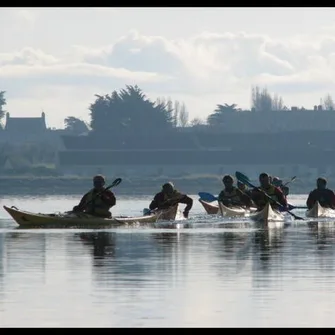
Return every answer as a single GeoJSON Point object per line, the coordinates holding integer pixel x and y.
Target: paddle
{"type": "Point", "coordinates": [290, 181]}
{"type": "Point", "coordinates": [245, 180]}
{"type": "Point", "coordinates": [244, 177]}
{"type": "Point", "coordinates": [208, 197]}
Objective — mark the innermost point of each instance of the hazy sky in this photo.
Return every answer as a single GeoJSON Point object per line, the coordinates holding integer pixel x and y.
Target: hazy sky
{"type": "Point", "coordinates": [57, 59]}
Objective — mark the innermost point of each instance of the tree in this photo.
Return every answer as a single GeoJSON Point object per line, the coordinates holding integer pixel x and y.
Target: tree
{"type": "Point", "coordinates": [219, 113]}
{"type": "Point", "coordinates": [196, 122]}
{"type": "Point", "coordinates": [176, 113]}
{"type": "Point", "coordinates": [262, 101]}
{"type": "Point", "coordinates": [75, 125]}
{"type": "Point", "coordinates": [129, 111]}
{"type": "Point", "coordinates": [183, 116]}
{"type": "Point", "coordinates": [2, 104]}
{"type": "Point", "coordinates": [328, 103]}
{"type": "Point", "coordinates": [277, 103]}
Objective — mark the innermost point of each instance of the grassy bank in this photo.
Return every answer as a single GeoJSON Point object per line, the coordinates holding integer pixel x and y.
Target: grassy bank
{"type": "Point", "coordinates": [22, 185]}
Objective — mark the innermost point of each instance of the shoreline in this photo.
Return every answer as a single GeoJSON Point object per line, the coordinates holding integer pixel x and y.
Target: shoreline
{"type": "Point", "coordinates": [139, 186]}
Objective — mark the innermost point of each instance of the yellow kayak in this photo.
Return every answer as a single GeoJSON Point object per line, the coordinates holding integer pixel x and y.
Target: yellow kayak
{"type": "Point", "coordinates": [83, 220]}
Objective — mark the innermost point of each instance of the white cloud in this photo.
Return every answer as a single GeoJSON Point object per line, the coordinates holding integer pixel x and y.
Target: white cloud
{"type": "Point", "coordinates": [203, 70]}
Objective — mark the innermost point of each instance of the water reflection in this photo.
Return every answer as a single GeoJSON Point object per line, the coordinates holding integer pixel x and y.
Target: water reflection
{"type": "Point", "coordinates": [175, 278]}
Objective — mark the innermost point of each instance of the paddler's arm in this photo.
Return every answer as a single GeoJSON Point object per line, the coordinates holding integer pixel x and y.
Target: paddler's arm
{"type": "Point", "coordinates": [82, 203]}
{"type": "Point", "coordinates": [185, 199]}
{"type": "Point", "coordinates": [108, 198]}
{"type": "Point", "coordinates": [281, 197]}
{"type": "Point", "coordinates": [245, 199]}
{"type": "Point", "coordinates": [311, 199]}
{"type": "Point", "coordinates": [155, 202]}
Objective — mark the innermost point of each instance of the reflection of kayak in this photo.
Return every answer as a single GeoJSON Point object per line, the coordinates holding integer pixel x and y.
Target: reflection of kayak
{"type": "Point", "coordinates": [209, 207]}
{"type": "Point", "coordinates": [267, 214]}
{"type": "Point", "coordinates": [234, 211]}
{"type": "Point", "coordinates": [70, 219]}
{"type": "Point", "coordinates": [317, 211]}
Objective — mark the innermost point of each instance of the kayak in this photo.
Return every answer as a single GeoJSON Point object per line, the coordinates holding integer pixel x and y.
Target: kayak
{"type": "Point", "coordinates": [79, 219]}
{"type": "Point", "coordinates": [317, 211]}
{"type": "Point", "coordinates": [267, 214]}
{"type": "Point", "coordinates": [232, 211]}
{"type": "Point", "coordinates": [235, 211]}
{"type": "Point", "coordinates": [210, 208]}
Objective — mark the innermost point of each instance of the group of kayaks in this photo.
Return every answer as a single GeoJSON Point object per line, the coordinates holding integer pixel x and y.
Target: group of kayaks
{"type": "Point", "coordinates": [266, 214]}
{"type": "Point", "coordinates": [173, 214]}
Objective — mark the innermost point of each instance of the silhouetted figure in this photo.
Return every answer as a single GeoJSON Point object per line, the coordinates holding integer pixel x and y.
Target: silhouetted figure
{"type": "Point", "coordinates": [169, 197]}
{"type": "Point", "coordinates": [97, 201]}
{"type": "Point", "coordinates": [322, 194]}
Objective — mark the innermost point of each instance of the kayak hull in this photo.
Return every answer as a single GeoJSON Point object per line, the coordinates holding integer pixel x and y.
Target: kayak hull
{"type": "Point", "coordinates": [267, 214]}
{"type": "Point", "coordinates": [232, 212]}
{"type": "Point", "coordinates": [317, 211]}
{"type": "Point", "coordinates": [210, 208]}
{"type": "Point", "coordinates": [82, 220]}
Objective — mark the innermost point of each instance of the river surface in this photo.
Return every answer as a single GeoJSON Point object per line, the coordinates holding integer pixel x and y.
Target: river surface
{"type": "Point", "coordinates": [210, 275]}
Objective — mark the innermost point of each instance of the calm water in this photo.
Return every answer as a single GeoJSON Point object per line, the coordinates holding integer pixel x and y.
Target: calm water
{"type": "Point", "coordinates": [205, 276]}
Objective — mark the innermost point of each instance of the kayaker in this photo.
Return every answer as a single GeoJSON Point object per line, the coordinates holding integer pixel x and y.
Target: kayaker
{"type": "Point", "coordinates": [279, 183]}
{"type": "Point", "coordinates": [322, 194]}
{"type": "Point", "coordinates": [97, 202]}
{"type": "Point", "coordinates": [260, 199]}
{"type": "Point", "coordinates": [169, 197]}
{"type": "Point", "coordinates": [242, 187]}
{"type": "Point", "coordinates": [232, 196]}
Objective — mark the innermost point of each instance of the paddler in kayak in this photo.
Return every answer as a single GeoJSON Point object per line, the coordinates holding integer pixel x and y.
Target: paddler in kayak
{"type": "Point", "coordinates": [232, 196]}
{"type": "Point", "coordinates": [260, 199]}
{"type": "Point", "coordinates": [242, 187]}
{"type": "Point", "coordinates": [97, 202]}
{"type": "Point", "coordinates": [322, 194]}
{"type": "Point", "coordinates": [279, 183]}
{"type": "Point", "coordinates": [169, 197]}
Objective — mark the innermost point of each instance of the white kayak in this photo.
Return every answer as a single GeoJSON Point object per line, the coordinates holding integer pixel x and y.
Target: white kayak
{"type": "Point", "coordinates": [210, 208]}
{"type": "Point", "coordinates": [235, 211]}
{"type": "Point", "coordinates": [267, 214]}
{"type": "Point", "coordinates": [317, 211]}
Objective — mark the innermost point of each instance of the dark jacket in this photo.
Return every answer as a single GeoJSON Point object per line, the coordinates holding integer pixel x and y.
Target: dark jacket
{"type": "Point", "coordinates": [107, 198]}
{"type": "Point", "coordinates": [162, 201]}
{"type": "Point", "coordinates": [234, 198]}
{"type": "Point", "coordinates": [260, 199]}
{"type": "Point", "coordinates": [325, 197]}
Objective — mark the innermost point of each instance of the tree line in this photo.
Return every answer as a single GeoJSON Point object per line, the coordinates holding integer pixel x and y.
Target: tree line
{"type": "Point", "coordinates": [130, 110]}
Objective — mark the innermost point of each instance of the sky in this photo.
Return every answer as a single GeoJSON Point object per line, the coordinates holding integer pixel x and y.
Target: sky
{"type": "Point", "coordinates": [57, 59]}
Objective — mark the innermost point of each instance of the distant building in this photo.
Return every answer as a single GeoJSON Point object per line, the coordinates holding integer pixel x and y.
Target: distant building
{"type": "Point", "coordinates": [24, 125]}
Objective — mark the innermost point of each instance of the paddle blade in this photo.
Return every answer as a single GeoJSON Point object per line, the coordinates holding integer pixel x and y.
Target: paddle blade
{"type": "Point", "coordinates": [146, 211]}
{"type": "Point", "coordinates": [116, 182]}
{"type": "Point", "coordinates": [208, 197]}
{"type": "Point", "coordinates": [243, 178]}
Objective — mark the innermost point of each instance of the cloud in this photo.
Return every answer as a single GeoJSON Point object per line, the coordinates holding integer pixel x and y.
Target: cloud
{"type": "Point", "coordinates": [206, 69]}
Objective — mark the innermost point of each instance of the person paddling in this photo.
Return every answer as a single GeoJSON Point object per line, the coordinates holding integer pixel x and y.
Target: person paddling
{"type": "Point", "coordinates": [322, 194]}
{"type": "Point", "coordinates": [232, 196]}
{"type": "Point", "coordinates": [169, 197]}
{"type": "Point", "coordinates": [97, 201]}
{"type": "Point", "coordinates": [279, 183]}
{"type": "Point", "coordinates": [260, 199]}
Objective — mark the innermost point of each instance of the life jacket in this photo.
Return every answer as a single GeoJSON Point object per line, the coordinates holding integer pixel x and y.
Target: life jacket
{"type": "Point", "coordinates": [96, 206]}
{"type": "Point", "coordinates": [263, 200]}
{"type": "Point", "coordinates": [231, 197]}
